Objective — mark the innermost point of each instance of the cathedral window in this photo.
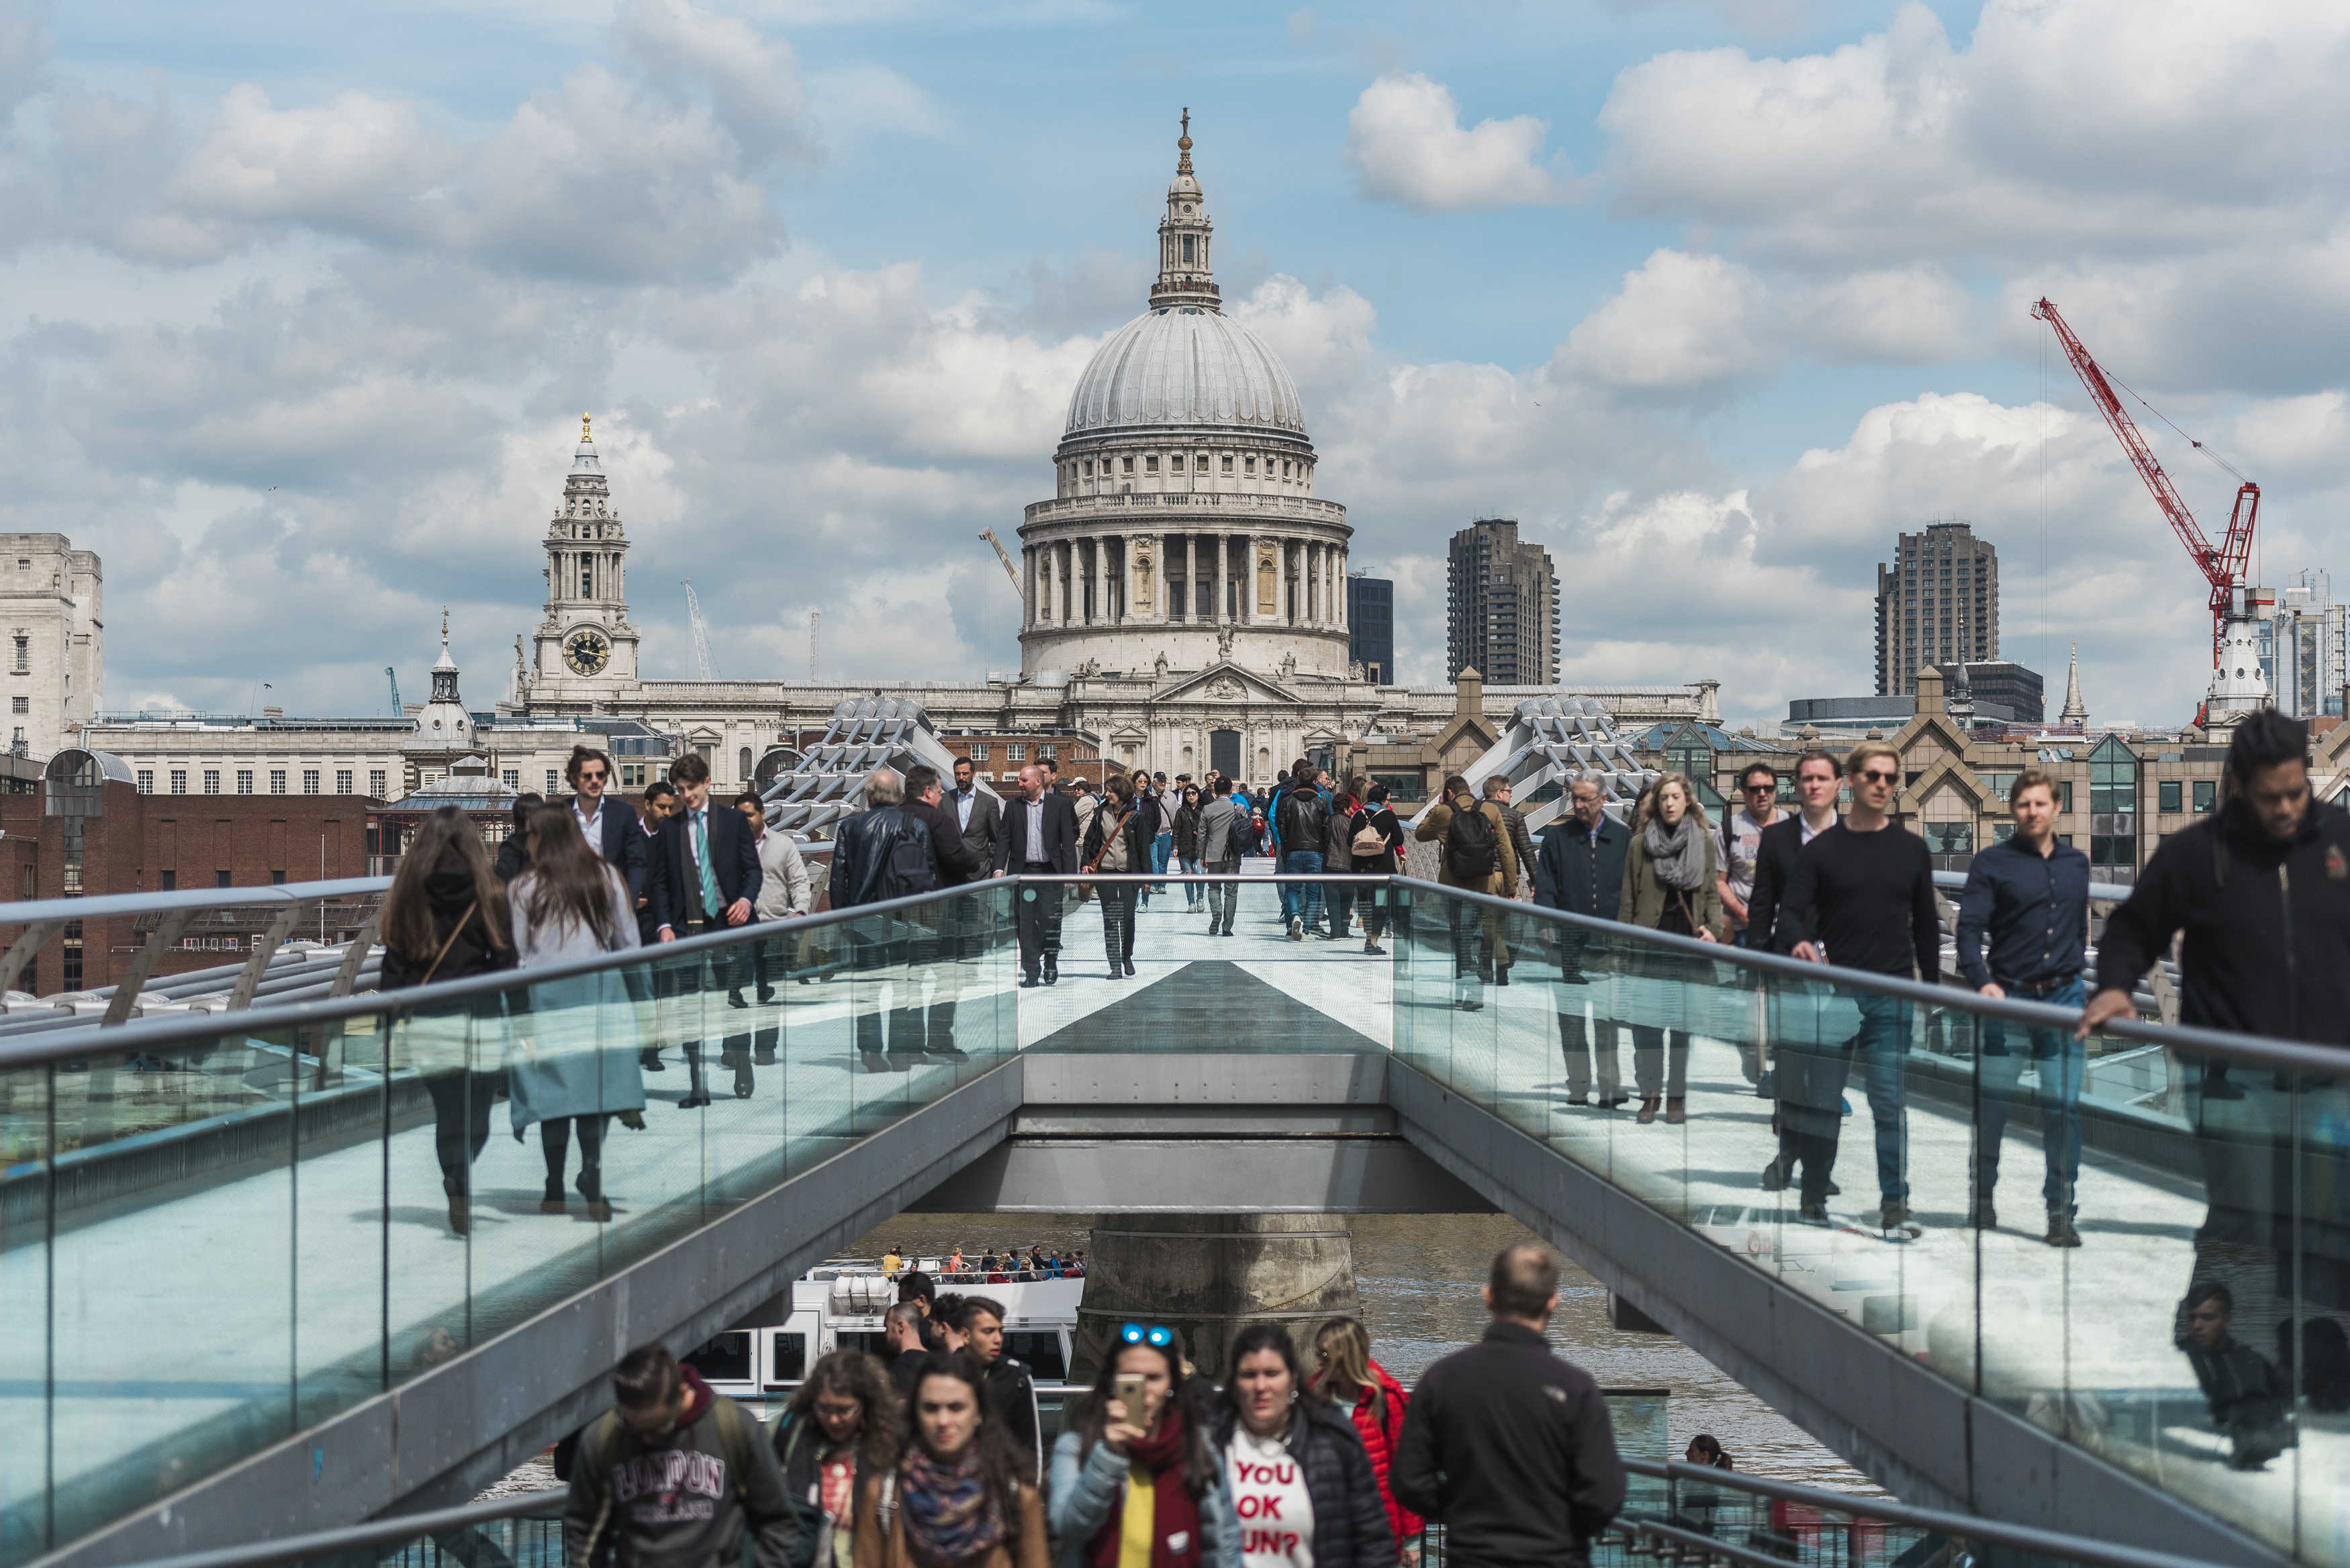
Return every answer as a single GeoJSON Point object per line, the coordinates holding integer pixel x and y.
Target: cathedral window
{"type": "Point", "coordinates": [1089, 468]}
{"type": "Point", "coordinates": [1151, 463]}
{"type": "Point", "coordinates": [1128, 464]}
{"type": "Point", "coordinates": [1228, 463]}
{"type": "Point", "coordinates": [1187, 244]}
{"type": "Point", "coordinates": [1200, 463]}
{"type": "Point", "coordinates": [1252, 464]}
{"type": "Point", "coordinates": [1285, 468]}
{"type": "Point", "coordinates": [1177, 462]}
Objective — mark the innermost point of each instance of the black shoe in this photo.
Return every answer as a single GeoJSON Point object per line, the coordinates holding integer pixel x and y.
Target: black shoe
{"type": "Point", "coordinates": [1375, 950]}
{"type": "Point", "coordinates": [1774, 1177]}
{"type": "Point", "coordinates": [1051, 969]}
{"type": "Point", "coordinates": [650, 1061]}
{"type": "Point", "coordinates": [552, 1201]}
{"type": "Point", "coordinates": [735, 999]}
{"type": "Point", "coordinates": [744, 1083]}
{"type": "Point", "coordinates": [694, 1101]}
{"type": "Point", "coordinates": [1029, 982]}
{"type": "Point", "coordinates": [1228, 927]}
{"type": "Point", "coordinates": [1130, 966]}
{"type": "Point", "coordinates": [599, 1207]}
{"type": "Point", "coordinates": [876, 1062]}
{"type": "Point", "coordinates": [765, 1056]}
{"type": "Point", "coordinates": [1578, 1099]}
{"type": "Point", "coordinates": [1985, 1217]}
{"type": "Point", "coordinates": [2061, 1232]}
{"type": "Point", "coordinates": [1813, 1214]}
{"type": "Point", "coordinates": [766, 993]}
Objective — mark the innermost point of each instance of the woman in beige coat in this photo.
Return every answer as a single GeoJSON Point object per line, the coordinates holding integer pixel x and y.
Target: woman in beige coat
{"type": "Point", "coordinates": [1669, 886]}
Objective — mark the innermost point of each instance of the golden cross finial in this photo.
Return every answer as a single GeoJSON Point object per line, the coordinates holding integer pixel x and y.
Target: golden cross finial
{"type": "Point", "coordinates": [444, 626]}
{"type": "Point", "coordinates": [584, 437]}
{"type": "Point", "coordinates": [1183, 146]}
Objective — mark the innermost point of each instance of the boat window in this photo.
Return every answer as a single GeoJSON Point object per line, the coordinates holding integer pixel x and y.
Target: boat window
{"type": "Point", "coordinates": [725, 1359]}
{"type": "Point", "coordinates": [787, 1357]}
{"type": "Point", "coordinates": [1041, 1349]}
{"type": "Point", "coordinates": [872, 1341]}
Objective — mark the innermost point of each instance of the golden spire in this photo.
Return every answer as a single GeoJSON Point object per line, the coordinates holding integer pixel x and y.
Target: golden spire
{"type": "Point", "coordinates": [1184, 163]}
{"type": "Point", "coordinates": [584, 437]}
{"type": "Point", "coordinates": [444, 626]}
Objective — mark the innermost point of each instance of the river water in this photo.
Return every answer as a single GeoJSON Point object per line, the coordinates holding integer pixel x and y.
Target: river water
{"type": "Point", "coordinates": [1418, 1276]}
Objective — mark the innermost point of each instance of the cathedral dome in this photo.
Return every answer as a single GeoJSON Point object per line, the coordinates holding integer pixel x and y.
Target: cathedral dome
{"type": "Point", "coordinates": [1185, 367]}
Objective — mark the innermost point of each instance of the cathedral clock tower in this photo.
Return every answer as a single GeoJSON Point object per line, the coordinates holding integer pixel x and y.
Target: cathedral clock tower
{"type": "Point", "coordinates": [585, 648]}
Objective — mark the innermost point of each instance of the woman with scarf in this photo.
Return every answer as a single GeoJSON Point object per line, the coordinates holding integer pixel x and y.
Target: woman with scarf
{"type": "Point", "coordinates": [1143, 1488]}
{"type": "Point", "coordinates": [1669, 886]}
{"type": "Point", "coordinates": [957, 1499]}
{"type": "Point", "coordinates": [1351, 1380]}
{"type": "Point", "coordinates": [1299, 1474]}
{"type": "Point", "coordinates": [1118, 842]}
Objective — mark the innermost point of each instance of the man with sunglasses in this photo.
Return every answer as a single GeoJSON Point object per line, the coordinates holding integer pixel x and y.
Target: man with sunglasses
{"type": "Point", "coordinates": [1742, 843]}
{"type": "Point", "coordinates": [1862, 897]}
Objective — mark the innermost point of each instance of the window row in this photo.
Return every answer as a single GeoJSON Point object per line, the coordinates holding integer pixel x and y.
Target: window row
{"type": "Point", "coordinates": [1291, 468]}
{"type": "Point", "coordinates": [346, 781]}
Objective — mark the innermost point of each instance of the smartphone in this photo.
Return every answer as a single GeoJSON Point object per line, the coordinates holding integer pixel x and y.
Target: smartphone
{"type": "Point", "coordinates": [1130, 1390]}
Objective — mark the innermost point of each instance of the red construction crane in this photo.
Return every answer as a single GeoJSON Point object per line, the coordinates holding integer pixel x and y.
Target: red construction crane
{"type": "Point", "coordinates": [2223, 568]}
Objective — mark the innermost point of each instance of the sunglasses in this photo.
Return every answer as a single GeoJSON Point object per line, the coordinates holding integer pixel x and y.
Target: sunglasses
{"type": "Point", "coordinates": [1760, 789]}
{"type": "Point", "coordinates": [1872, 775]}
{"type": "Point", "coordinates": [1152, 1334]}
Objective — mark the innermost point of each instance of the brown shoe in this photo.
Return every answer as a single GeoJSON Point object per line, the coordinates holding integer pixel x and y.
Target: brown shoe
{"type": "Point", "coordinates": [1648, 1109]}
{"type": "Point", "coordinates": [1676, 1112]}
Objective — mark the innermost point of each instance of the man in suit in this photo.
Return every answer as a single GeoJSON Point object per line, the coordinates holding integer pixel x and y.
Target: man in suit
{"type": "Point", "coordinates": [1040, 837]}
{"type": "Point", "coordinates": [978, 814]}
{"type": "Point", "coordinates": [1580, 868]}
{"type": "Point", "coordinates": [1817, 779]}
{"type": "Point", "coordinates": [610, 827]}
{"type": "Point", "coordinates": [706, 876]}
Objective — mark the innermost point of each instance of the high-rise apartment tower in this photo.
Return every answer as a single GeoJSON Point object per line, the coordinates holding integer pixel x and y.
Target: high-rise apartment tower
{"type": "Point", "coordinates": [1500, 607]}
{"type": "Point", "coordinates": [1936, 603]}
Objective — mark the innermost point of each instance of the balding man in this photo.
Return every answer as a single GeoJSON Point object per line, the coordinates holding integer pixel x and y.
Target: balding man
{"type": "Point", "coordinates": [879, 853]}
{"type": "Point", "coordinates": [1039, 839]}
{"type": "Point", "coordinates": [1508, 1443]}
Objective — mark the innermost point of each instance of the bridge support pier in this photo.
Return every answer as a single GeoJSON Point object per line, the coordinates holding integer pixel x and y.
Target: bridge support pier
{"type": "Point", "coordinates": [1207, 1275]}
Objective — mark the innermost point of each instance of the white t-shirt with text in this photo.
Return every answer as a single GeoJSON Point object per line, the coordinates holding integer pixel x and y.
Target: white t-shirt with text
{"type": "Point", "coordinates": [1276, 1512]}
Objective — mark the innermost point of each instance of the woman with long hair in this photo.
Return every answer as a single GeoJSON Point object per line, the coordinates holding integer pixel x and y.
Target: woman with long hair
{"type": "Point", "coordinates": [576, 1064]}
{"type": "Point", "coordinates": [514, 854]}
{"type": "Point", "coordinates": [1116, 843]}
{"type": "Point", "coordinates": [445, 918]}
{"type": "Point", "coordinates": [1375, 818]}
{"type": "Point", "coordinates": [1346, 1374]}
{"type": "Point", "coordinates": [957, 1499]}
{"type": "Point", "coordinates": [1669, 886]}
{"type": "Point", "coordinates": [842, 1428]}
{"type": "Point", "coordinates": [1143, 1487]}
{"type": "Point", "coordinates": [1187, 847]}
{"type": "Point", "coordinates": [1298, 1473]}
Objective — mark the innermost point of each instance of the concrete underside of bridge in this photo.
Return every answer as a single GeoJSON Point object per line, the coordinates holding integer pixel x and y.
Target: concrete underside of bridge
{"type": "Point", "coordinates": [1074, 1132]}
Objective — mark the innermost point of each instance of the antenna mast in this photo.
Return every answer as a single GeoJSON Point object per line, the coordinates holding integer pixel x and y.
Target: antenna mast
{"type": "Point", "coordinates": [814, 618]}
{"type": "Point", "coordinates": [700, 634]}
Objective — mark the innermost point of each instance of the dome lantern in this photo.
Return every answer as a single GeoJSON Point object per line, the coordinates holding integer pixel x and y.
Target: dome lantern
{"type": "Point", "coordinates": [1185, 279]}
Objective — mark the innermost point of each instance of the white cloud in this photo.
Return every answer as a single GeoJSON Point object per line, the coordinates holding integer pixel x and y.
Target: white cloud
{"type": "Point", "coordinates": [1681, 321]}
{"type": "Point", "coordinates": [1406, 143]}
{"type": "Point", "coordinates": [861, 102]}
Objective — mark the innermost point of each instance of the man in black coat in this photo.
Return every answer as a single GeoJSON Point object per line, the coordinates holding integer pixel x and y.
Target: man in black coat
{"type": "Point", "coordinates": [1040, 839]}
{"type": "Point", "coordinates": [705, 877]}
{"type": "Point", "coordinates": [610, 827]}
{"type": "Point", "coordinates": [1817, 779]}
{"type": "Point", "coordinates": [1580, 868]}
{"type": "Point", "coordinates": [2261, 890]}
{"type": "Point", "coordinates": [940, 957]}
{"type": "Point", "coordinates": [868, 868]}
{"type": "Point", "coordinates": [1506, 1443]}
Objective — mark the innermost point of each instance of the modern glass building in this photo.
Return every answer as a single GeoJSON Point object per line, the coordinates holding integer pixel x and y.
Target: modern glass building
{"type": "Point", "coordinates": [1370, 620]}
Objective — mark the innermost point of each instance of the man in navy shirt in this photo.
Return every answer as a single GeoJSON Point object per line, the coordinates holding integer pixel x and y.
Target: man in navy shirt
{"type": "Point", "coordinates": [2030, 897]}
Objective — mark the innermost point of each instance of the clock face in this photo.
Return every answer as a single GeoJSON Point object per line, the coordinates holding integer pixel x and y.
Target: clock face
{"type": "Point", "coordinates": [587, 652]}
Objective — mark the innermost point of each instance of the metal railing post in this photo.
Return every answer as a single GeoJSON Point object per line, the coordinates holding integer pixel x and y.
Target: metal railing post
{"type": "Point", "coordinates": [347, 975]}
{"type": "Point", "coordinates": [248, 980]}
{"type": "Point", "coordinates": [20, 953]}
{"type": "Point", "coordinates": [126, 990]}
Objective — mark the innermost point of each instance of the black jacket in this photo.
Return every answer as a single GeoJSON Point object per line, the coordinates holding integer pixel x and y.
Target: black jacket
{"type": "Point", "coordinates": [1383, 822]}
{"type": "Point", "coordinates": [449, 890]}
{"type": "Point", "coordinates": [1013, 1388]}
{"type": "Point", "coordinates": [2267, 950]}
{"type": "Point", "coordinates": [954, 861]}
{"type": "Point", "coordinates": [676, 880]}
{"type": "Point", "coordinates": [1511, 1448]}
{"type": "Point", "coordinates": [1300, 820]}
{"type": "Point", "coordinates": [799, 1444]}
{"type": "Point", "coordinates": [513, 858]}
{"type": "Point", "coordinates": [984, 830]}
{"type": "Point", "coordinates": [1573, 874]}
{"type": "Point", "coordinates": [902, 1369]}
{"type": "Point", "coordinates": [1775, 862]}
{"type": "Point", "coordinates": [861, 850]}
{"type": "Point", "coordinates": [1187, 832]}
{"type": "Point", "coordinates": [1350, 1518]}
{"type": "Point", "coordinates": [1060, 846]}
{"type": "Point", "coordinates": [1138, 835]}
{"type": "Point", "coordinates": [624, 844]}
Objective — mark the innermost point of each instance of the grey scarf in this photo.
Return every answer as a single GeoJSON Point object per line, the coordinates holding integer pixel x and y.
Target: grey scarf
{"type": "Point", "coordinates": [1677, 853]}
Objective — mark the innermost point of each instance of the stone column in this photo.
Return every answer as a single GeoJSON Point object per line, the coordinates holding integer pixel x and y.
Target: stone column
{"type": "Point", "coordinates": [1207, 1276]}
{"type": "Point", "coordinates": [1281, 581]}
{"type": "Point", "coordinates": [1165, 606]}
{"type": "Point", "coordinates": [1191, 578]}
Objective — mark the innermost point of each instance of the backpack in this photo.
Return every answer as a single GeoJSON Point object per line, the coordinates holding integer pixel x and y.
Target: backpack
{"type": "Point", "coordinates": [905, 865]}
{"type": "Point", "coordinates": [604, 1446]}
{"type": "Point", "coordinates": [807, 1515]}
{"type": "Point", "coordinates": [1471, 853]}
{"type": "Point", "coordinates": [1368, 841]}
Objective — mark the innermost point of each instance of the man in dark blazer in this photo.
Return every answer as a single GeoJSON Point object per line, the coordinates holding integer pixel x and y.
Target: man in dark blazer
{"type": "Point", "coordinates": [705, 877]}
{"type": "Point", "coordinates": [611, 826]}
{"type": "Point", "coordinates": [1580, 868]}
{"type": "Point", "coordinates": [977, 812]}
{"type": "Point", "coordinates": [938, 956]}
{"type": "Point", "coordinates": [1040, 836]}
{"type": "Point", "coordinates": [1817, 779]}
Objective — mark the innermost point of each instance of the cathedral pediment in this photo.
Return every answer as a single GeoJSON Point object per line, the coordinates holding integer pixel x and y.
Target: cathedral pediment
{"type": "Point", "coordinates": [1223, 682]}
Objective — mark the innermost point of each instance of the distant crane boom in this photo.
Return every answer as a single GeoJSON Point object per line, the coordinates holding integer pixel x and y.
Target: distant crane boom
{"type": "Point", "coordinates": [700, 634]}
{"type": "Point", "coordinates": [2224, 567]}
{"type": "Point", "coordinates": [1009, 569]}
{"type": "Point", "coordinates": [397, 710]}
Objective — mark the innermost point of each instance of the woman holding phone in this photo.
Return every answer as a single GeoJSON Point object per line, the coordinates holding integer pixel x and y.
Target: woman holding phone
{"type": "Point", "coordinates": [1118, 842]}
{"type": "Point", "coordinates": [1142, 1439]}
{"type": "Point", "coordinates": [957, 1499]}
{"type": "Point", "coordinates": [1296, 1466]}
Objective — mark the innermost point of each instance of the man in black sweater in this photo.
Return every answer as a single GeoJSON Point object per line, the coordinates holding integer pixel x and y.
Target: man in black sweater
{"type": "Point", "coordinates": [1862, 897]}
{"type": "Point", "coordinates": [1507, 1444]}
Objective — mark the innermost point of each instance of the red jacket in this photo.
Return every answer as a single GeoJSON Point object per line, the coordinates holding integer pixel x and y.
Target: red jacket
{"type": "Point", "coordinates": [1378, 1416]}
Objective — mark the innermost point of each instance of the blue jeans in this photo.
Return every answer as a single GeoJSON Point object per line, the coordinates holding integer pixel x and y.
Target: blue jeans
{"type": "Point", "coordinates": [2061, 1060]}
{"type": "Point", "coordinates": [1884, 1055]}
{"type": "Point", "coordinates": [1192, 891]}
{"type": "Point", "coordinates": [1160, 848]}
{"type": "Point", "coordinates": [1301, 901]}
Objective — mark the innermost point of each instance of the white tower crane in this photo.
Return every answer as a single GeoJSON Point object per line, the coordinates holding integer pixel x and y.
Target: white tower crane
{"type": "Point", "coordinates": [700, 634]}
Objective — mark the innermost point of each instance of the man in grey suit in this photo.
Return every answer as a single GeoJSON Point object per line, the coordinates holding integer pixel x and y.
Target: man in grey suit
{"type": "Point", "coordinates": [979, 814]}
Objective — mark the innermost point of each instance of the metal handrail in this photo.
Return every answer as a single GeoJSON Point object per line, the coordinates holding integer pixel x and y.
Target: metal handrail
{"type": "Point", "coordinates": [2022, 1537]}
{"type": "Point", "coordinates": [192, 900]}
{"type": "Point", "coordinates": [330, 1543]}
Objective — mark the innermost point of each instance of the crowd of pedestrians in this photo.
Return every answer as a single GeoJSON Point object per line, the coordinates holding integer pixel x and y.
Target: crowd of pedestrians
{"type": "Point", "coordinates": [935, 1462]}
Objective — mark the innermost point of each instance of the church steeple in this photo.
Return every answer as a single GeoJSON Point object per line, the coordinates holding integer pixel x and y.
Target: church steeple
{"type": "Point", "coordinates": [2074, 711]}
{"type": "Point", "coordinates": [1185, 279]}
{"type": "Point", "coordinates": [586, 635]}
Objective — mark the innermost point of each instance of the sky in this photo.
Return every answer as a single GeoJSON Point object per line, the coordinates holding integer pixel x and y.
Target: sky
{"type": "Point", "coordinates": [300, 307]}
